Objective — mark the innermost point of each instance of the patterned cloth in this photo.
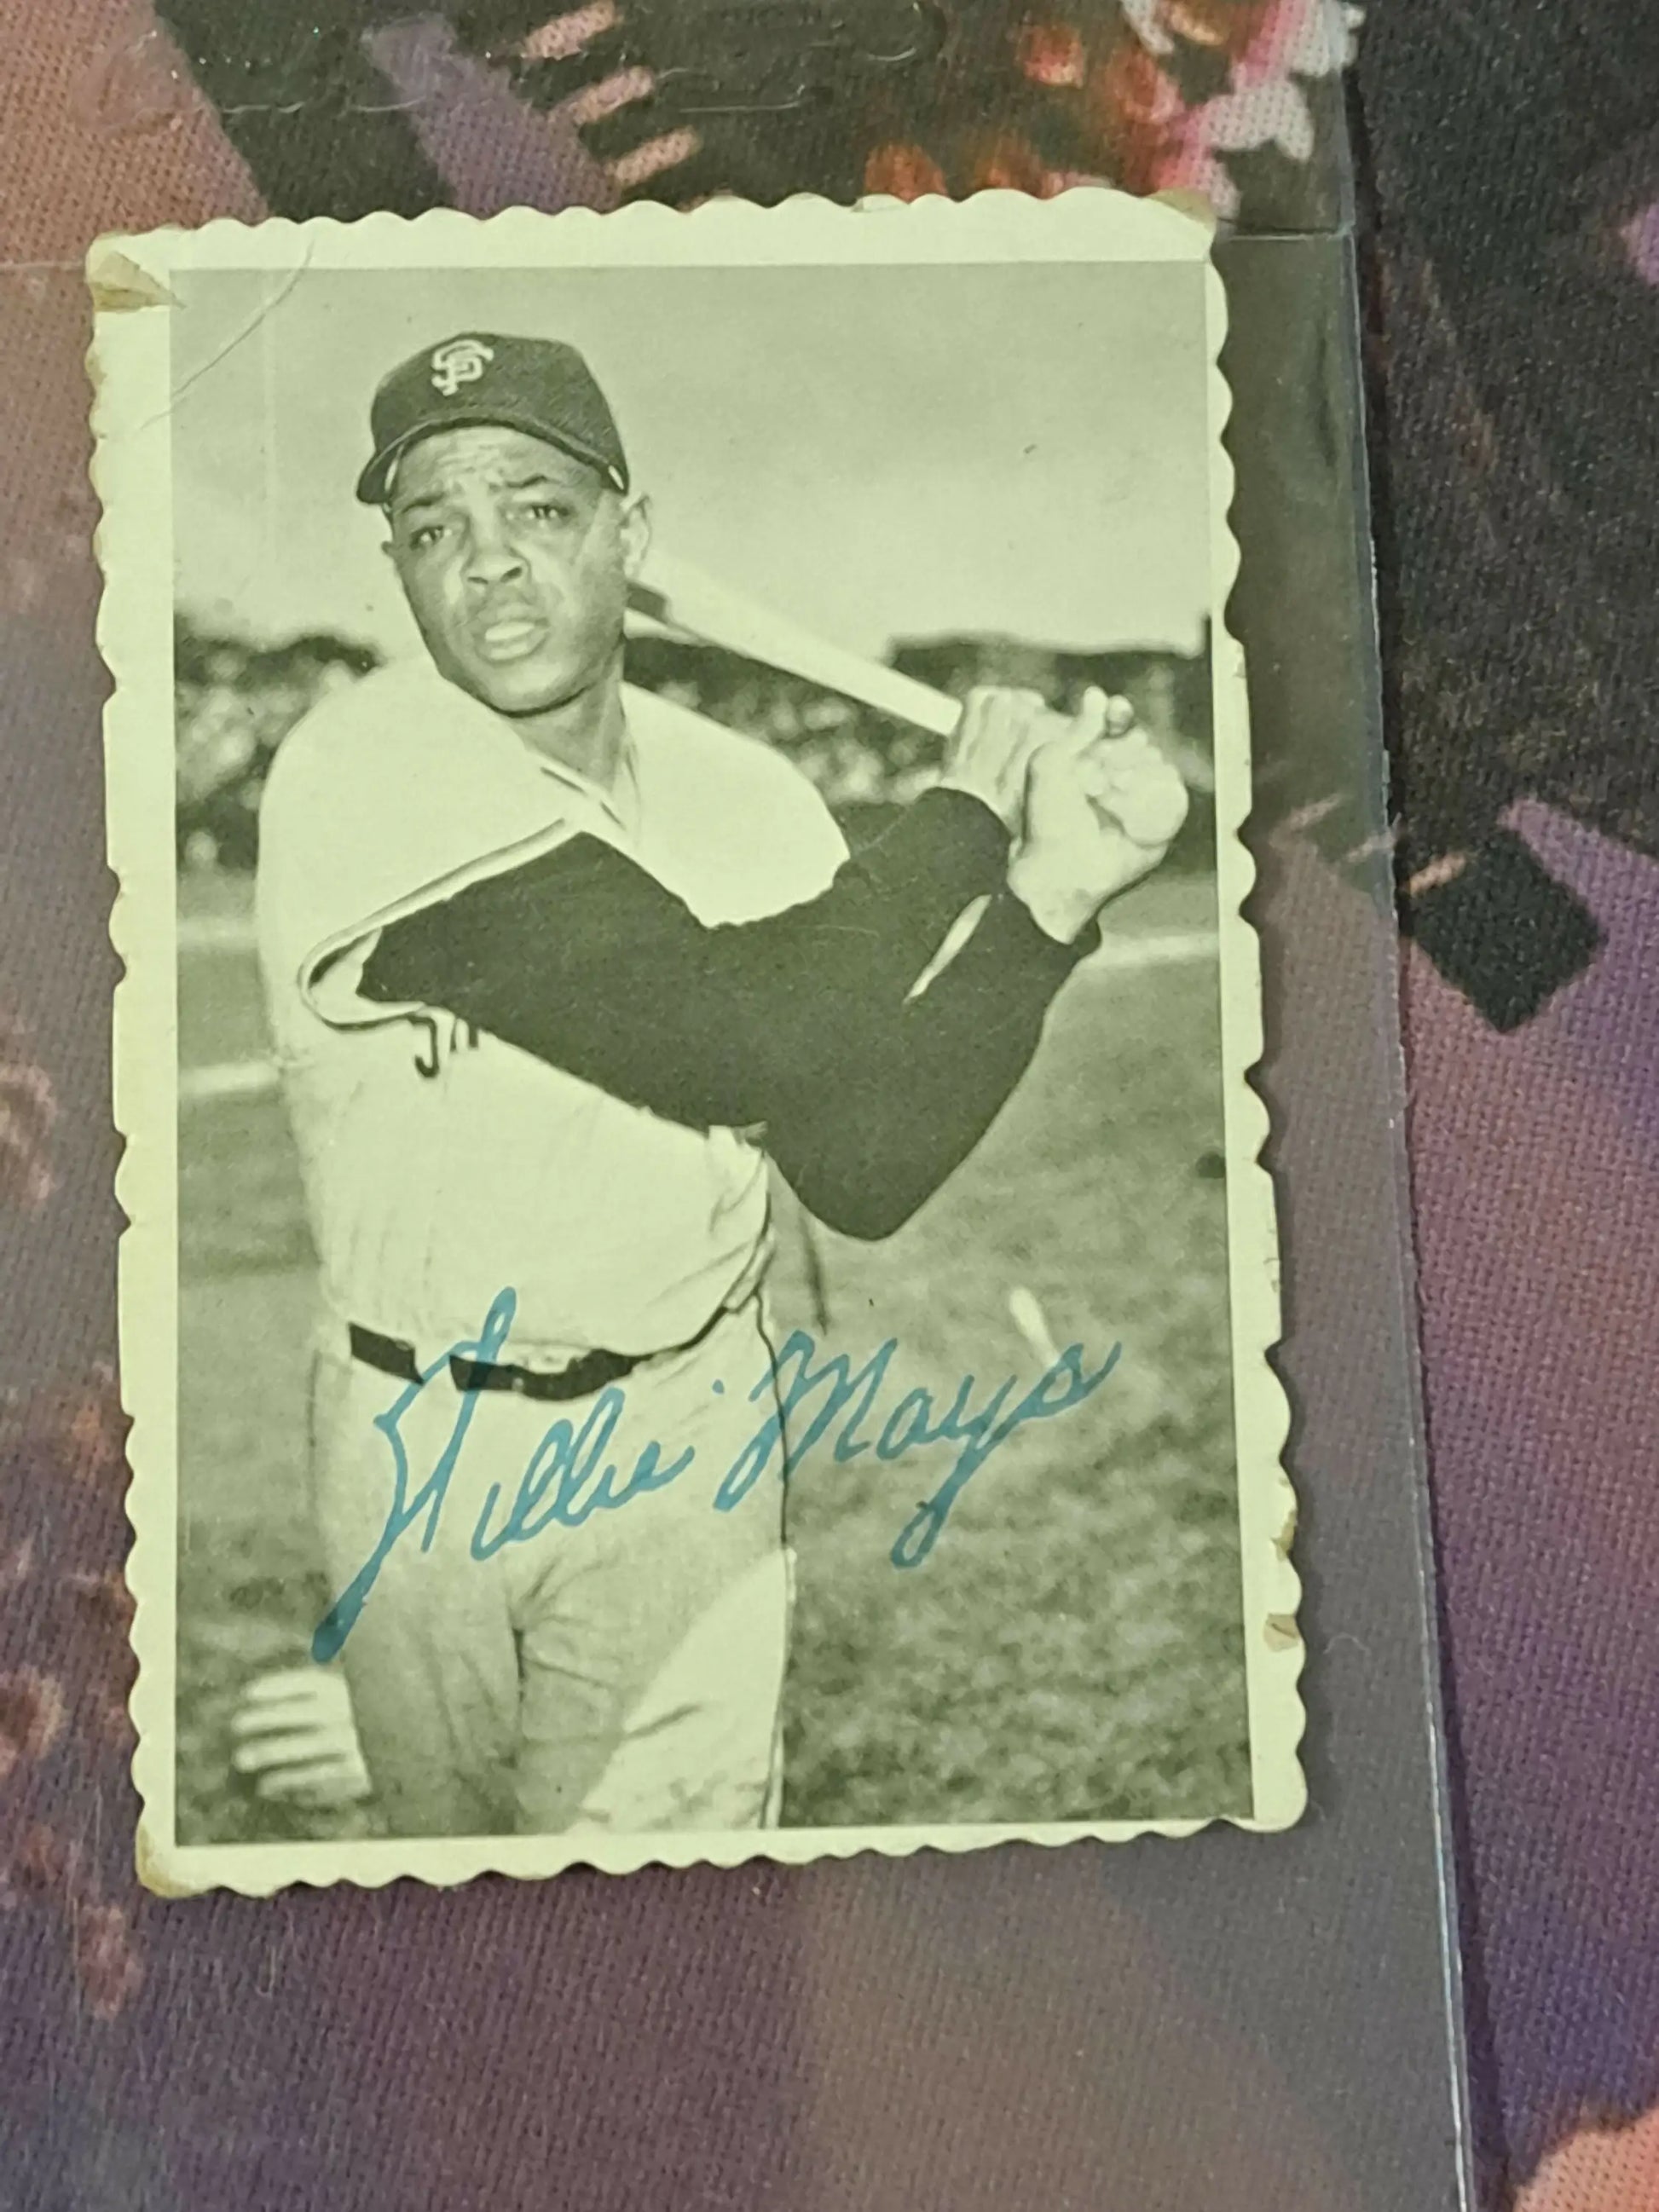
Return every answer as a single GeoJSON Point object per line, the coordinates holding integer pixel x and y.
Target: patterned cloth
{"type": "Point", "coordinates": [1510, 197]}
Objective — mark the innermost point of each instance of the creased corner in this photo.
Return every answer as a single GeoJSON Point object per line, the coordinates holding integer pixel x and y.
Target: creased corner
{"type": "Point", "coordinates": [119, 286]}
{"type": "Point", "coordinates": [1193, 204]}
{"type": "Point", "coordinates": [151, 1869]}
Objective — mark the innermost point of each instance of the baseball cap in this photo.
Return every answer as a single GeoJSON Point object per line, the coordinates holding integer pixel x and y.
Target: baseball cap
{"type": "Point", "coordinates": [539, 386]}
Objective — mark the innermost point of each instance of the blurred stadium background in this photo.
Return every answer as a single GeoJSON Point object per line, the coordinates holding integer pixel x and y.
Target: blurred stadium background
{"type": "Point", "coordinates": [236, 701]}
{"type": "Point", "coordinates": [1072, 1649]}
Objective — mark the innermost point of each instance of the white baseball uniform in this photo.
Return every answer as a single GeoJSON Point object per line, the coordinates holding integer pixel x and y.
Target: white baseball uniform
{"type": "Point", "coordinates": [626, 1672]}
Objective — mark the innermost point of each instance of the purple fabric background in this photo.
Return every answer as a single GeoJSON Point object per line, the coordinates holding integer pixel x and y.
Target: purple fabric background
{"type": "Point", "coordinates": [262, 2054]}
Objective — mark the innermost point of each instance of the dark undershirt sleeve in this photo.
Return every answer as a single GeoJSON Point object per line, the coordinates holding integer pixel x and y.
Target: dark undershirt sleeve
{"type": "Point", "coordinates": [864, 1153]}
{"type": "Point", "coordinates": [800, 1021]}
{"type": "Point", "coordinates": [584, 959]}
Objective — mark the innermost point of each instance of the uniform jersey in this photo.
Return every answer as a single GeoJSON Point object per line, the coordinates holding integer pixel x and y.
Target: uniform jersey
{"type": "Point", "coordinates": [440, 1165]}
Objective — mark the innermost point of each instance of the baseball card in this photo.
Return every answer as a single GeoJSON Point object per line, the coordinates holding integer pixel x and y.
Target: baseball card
{"type": "Point", "coordinates": [700, 1269]}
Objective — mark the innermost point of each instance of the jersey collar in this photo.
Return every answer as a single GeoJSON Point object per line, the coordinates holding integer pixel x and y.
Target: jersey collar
{"type": "Point", "coordinates": [620, 799]}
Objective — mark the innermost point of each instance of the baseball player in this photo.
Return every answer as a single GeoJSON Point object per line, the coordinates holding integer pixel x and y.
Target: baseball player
{"type": "Point", "coordinates": [552, 965]}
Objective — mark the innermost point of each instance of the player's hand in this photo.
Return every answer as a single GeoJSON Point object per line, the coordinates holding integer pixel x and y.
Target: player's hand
{"type": "Point", "coordinates": [1102, 808]}
{"type": "Point", "coordinates": [295, 1736]}
{"type": "Point", "coordinates": [992, 746]}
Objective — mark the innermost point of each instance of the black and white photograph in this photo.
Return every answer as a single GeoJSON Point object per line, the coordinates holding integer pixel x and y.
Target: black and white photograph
{"type": "Point", "coordinates": [699, 1279]}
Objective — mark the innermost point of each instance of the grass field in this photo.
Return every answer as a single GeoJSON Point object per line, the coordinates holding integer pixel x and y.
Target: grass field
{"type": "Point", "coordinates": [1072, 1648]}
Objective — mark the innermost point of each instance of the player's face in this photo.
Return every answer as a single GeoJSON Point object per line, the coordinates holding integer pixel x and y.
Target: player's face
{"type": "Point", "coordinates": [515, 561]}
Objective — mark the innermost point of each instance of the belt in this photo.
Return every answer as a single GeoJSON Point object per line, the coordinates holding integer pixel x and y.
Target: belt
{"type": "Point", "coordinates": [580, 1379]}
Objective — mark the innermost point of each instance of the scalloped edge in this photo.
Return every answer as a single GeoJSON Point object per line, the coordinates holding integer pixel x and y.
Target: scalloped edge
{"type": "Point", "coordinates": [131, 475]}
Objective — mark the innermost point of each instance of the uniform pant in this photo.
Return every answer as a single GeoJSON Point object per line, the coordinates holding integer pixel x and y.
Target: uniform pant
{"type": "Point", "coordinates": [624, 1673]}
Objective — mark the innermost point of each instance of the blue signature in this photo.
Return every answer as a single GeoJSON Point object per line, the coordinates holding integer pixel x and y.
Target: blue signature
{"type": "Point", "coordinates": [568, 1478]}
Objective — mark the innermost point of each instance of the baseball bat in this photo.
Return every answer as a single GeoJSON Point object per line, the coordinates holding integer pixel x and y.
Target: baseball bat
{"type": "Point", "coordinates": [681, 597]}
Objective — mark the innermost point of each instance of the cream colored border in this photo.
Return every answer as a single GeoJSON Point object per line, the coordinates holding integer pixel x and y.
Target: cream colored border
{"type": "Point", "coordinates": [132, 473]}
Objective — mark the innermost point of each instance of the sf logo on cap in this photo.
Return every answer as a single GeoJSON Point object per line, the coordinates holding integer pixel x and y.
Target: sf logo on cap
{"type": "Point", "coordinates": [461, 362]}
